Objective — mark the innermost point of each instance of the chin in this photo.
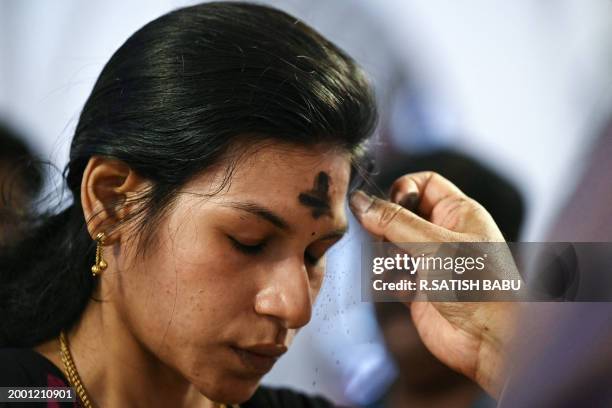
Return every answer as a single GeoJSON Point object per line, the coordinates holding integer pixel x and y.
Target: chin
{"type": "Point", "coordinates": [230, 390]}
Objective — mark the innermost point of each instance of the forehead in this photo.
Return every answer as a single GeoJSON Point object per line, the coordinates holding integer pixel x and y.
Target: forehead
{"type": "Point", "coordinates": [293, 170]}
{"type": "Point", "coordinates": [293, 180]}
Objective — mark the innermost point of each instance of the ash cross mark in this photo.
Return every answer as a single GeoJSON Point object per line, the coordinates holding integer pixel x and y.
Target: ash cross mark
{"type": "Point", "coordinates": [318, 198]}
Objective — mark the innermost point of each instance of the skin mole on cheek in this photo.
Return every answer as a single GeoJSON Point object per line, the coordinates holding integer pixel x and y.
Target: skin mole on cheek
{"type": "Point", "coordinates": [318, 197]}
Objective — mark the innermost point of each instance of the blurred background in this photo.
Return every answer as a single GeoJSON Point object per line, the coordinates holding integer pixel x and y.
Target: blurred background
{"type": "Point", "coordinates": [509, 99]}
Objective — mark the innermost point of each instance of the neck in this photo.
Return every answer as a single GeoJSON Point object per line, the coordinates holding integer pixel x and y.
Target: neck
{"type": "Point", "coordinates": [116, 370]}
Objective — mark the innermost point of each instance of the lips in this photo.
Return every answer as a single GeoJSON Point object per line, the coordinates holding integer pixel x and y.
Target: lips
{"type": "Point", "coordinates": [260, 358]}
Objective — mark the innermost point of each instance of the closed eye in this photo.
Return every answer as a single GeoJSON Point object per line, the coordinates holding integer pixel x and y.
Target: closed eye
{"type": "Point", "coordinates": [249, 249]}
{"type": "Point", "coordinates": [319, 249]}
{"type": "Point", "coordinates": [311, 259]}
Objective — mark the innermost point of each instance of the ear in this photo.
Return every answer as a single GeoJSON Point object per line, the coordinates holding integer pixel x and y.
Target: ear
{"type": "Point", "coordinates": [106, 186]}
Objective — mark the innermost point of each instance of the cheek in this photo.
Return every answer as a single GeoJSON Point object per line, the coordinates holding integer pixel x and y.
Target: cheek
{"type": "Point", "coordinates": [186, 302]}
{"type": "Point", "coordinates": [185, 298]}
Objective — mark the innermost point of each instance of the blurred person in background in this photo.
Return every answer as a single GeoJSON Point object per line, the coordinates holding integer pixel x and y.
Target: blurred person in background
{"type": "Point", "coordinates": [20, 182]}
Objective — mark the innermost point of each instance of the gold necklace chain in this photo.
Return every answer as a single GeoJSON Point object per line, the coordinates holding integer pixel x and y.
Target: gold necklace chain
{"type": "Point", "coordinates": [73, 375]}
{"type": "Point", "coordinates": [71, 372]}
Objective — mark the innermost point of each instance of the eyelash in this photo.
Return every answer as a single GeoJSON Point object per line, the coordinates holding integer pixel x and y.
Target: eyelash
{"type": "Point", "coordinates": [311, 259]}
{"type": "Point", "coordinates": [248, 249]}
{"type": "Point", "coordinates": [258, 248]}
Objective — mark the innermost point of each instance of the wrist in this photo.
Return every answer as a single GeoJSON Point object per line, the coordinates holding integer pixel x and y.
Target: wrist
{"type": "Point", "coordinates": [491, 370]}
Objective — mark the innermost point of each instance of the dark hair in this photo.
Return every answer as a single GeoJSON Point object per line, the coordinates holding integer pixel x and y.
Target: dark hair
{"type": "Point", "coordinates": [170, 103]}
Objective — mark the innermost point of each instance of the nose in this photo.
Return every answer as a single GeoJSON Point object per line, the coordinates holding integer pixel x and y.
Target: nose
{"type": "Point", "coordinates": [286, 296]}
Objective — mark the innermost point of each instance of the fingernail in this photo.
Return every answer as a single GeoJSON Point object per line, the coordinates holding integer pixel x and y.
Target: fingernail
{"type": "Point", "coordinates": [359, 202]}
{"type": "Point", "coordinates": [410, 201]}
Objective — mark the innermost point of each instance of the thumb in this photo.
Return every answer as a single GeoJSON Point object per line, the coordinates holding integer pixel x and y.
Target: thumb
{"type": "Point", "coordinates": [393, 222]}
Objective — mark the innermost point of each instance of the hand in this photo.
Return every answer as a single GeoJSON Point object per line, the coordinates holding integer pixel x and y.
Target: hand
{"type": "Point", "coordinates": [469, 337]}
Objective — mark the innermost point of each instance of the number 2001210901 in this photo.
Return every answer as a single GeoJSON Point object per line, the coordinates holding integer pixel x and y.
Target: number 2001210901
{"type": "Point", "coordinates": [41, 394]}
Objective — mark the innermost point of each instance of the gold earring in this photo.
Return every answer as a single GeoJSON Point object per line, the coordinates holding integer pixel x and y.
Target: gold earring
{"type": "Point", "coordinates": [100, 263]}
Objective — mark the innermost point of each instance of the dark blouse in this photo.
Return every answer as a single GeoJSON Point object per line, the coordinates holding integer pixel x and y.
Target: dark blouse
{"type": "Point", "coordinates": [27, 368]}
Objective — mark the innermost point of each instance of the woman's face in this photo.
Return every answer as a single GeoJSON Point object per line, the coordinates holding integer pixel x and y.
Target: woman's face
{"type": "Point", "coordinates": [232, 277]}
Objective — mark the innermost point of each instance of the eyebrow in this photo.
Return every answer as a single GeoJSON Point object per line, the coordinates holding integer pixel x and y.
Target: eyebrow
{"type": "Point", "coordinates": [261, 212]}
{"type": "Point", "coordinates": [277, 220]}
